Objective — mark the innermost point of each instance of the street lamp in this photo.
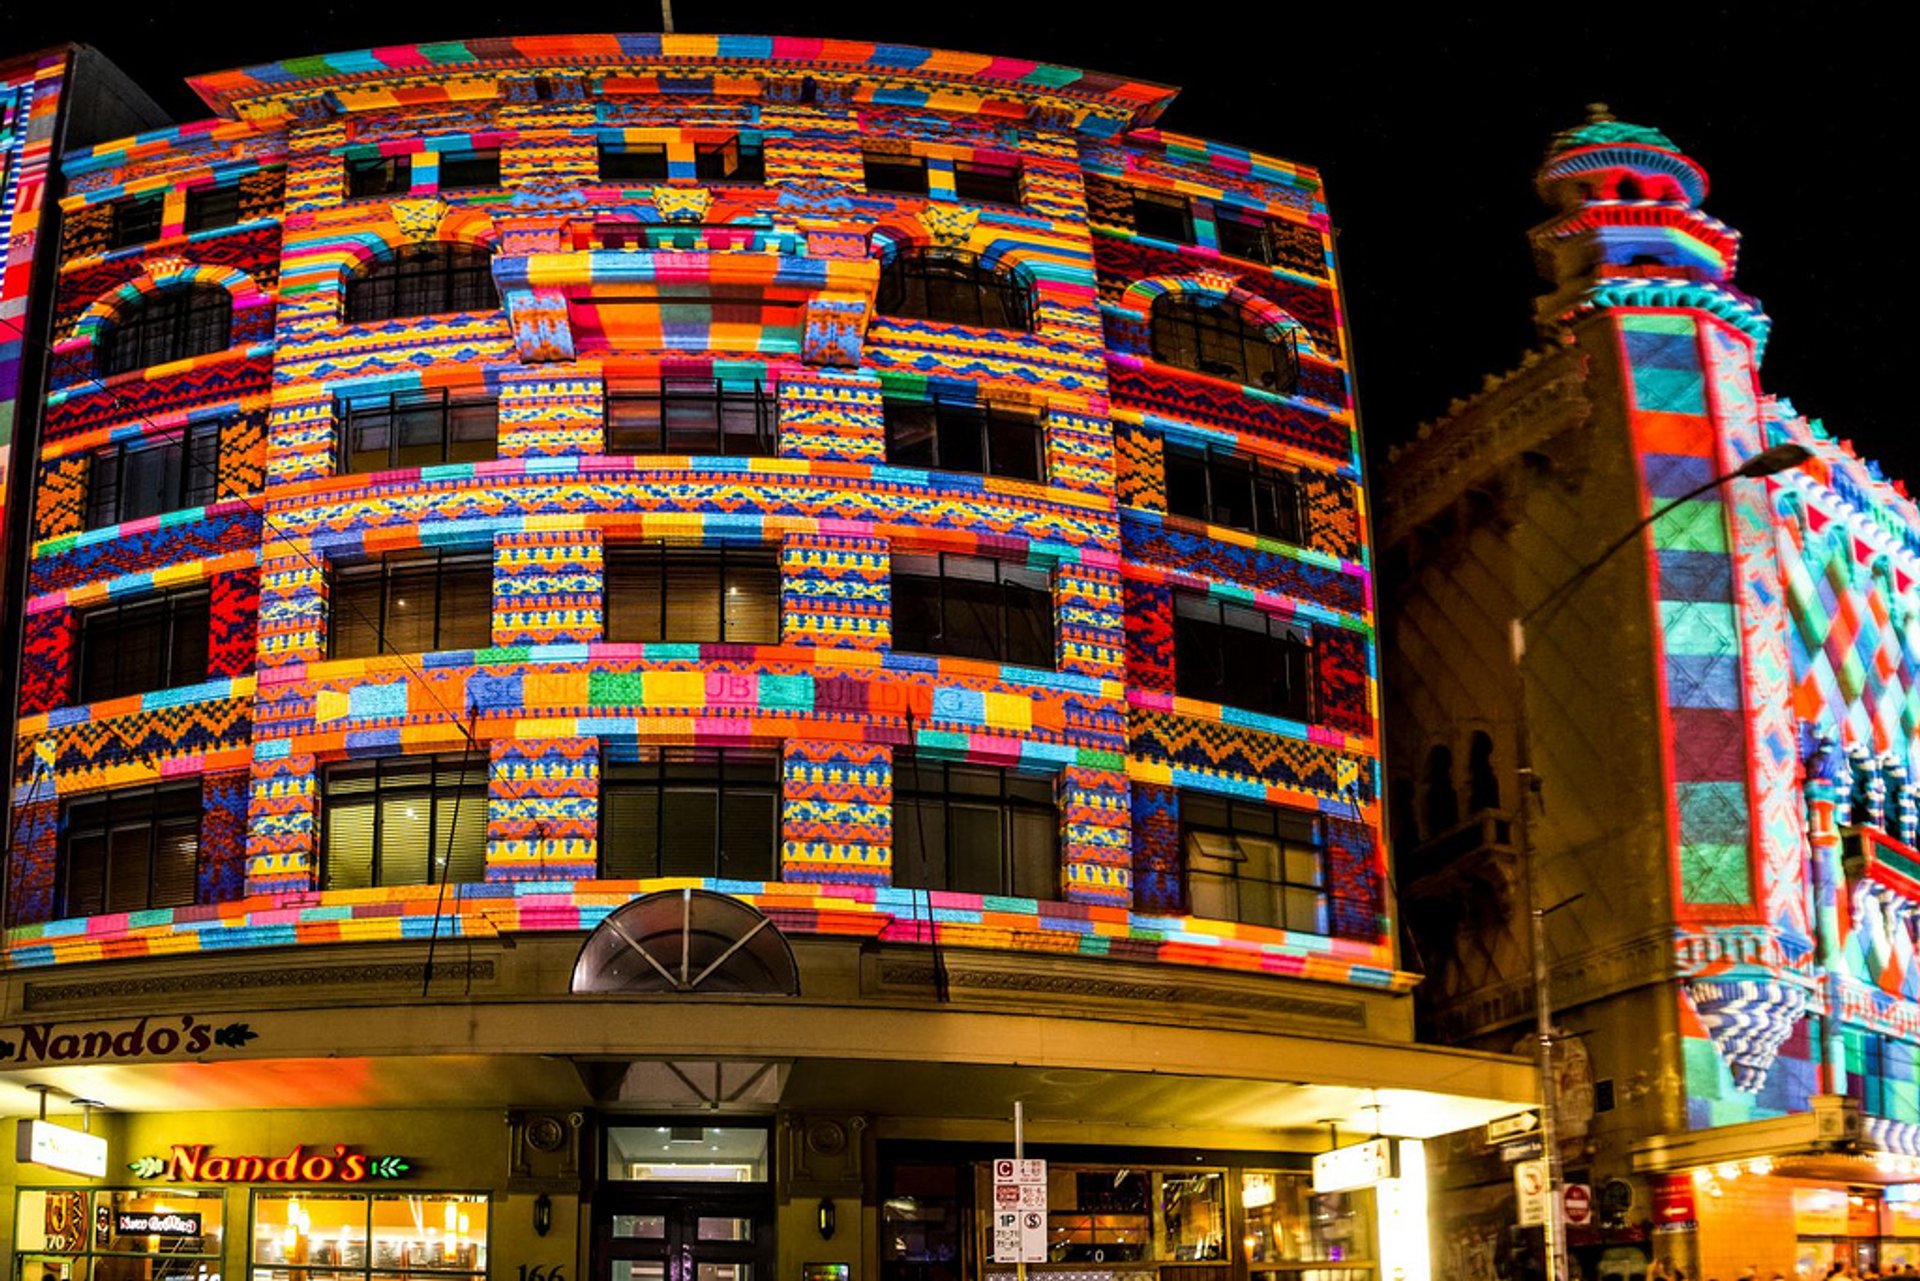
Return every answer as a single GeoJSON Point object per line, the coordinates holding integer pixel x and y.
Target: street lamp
{"type": "Point", "coordinates": [1768, 462]}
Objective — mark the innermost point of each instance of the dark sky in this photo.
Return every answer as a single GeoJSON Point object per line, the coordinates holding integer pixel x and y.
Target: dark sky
{"type": "Point", "coordinates": [1427, 129]}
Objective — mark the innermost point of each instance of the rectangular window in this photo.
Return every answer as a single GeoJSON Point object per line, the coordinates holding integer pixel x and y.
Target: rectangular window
{"type": "Point", "coordinates": [983, 182]}
{"type": "Point", "coordinates": [734, 160]}
{"type": "Point", "coordinates": [972, 607]}
{"type": "Point", "coordinates": [416, 429]}
{"type": "Point", "coordinates": [632, 162]}
{"type": "Point", "coordinates": [974, 829]}
{"type": "Point", "coordinates": [1256, 863]}
{"type": "Point", "coordinates": [140, 478]}
{"type": "Point", "coordinates": [139, 646]}
{"type": "Point", "coordinates": [411, 603]}
{"type": "Point", "coordinates": [309, 1235]}
{"type": "Point", "coordinates": [210, 207]}
{"type": "Point", "coordinates": [136, 221]}
{"type": "Point", "coordinates": [1240, 656]}
{"type": "Point", "coordinates": [1227, 489]}
{"type": "Point", "coordinates": [1287, 1223]}
{"type": "Point", "coordinates": [656, 592]}
{"type": "Point", "coordinates": [404, 820]}
{"type": "Point", "coordinates": [376, 175]}
{"type": "Point", "coordinates": [897, 173]}
{"type": "Point", "coordinates": [1163, 217]}
{"type": "Point", "coordinates": [1242, 235]}
{"type": "Point", "coordinates": [693, 416]}
{"type": "Point", "coordinates": [81, 1234]}
{"type": "Point", "coordinates": [951, 435]}
{"type": "Point", "coordinates": [127, 851]}
{"type": "Point", "coordinates": [461, 169]}
{"type": "Point", "coordinates": [691, 811]}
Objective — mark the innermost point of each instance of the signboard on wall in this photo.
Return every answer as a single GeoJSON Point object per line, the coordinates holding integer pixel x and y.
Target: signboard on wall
{"type": "Point", "coordinates": [199, 1163]}
{"type": "Point", "coordinates": [58, 1148]}
{"type": "Point", "coordinates": [1348, 1169]}
{"type": "Point", "coordinates": [1530, 1192]}
{"type": "Point", "coordinates": [156, 1223]}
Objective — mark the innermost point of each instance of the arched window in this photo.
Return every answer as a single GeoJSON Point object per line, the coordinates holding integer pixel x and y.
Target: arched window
{"type": "Point", "coordinates": [424, 280]}
{"type": "Point", "coordinates": [172, 324]}
{"type": "Point", "coordinates": [1209, 336]}
{"type": "Point", "coordinates": [952, 286]}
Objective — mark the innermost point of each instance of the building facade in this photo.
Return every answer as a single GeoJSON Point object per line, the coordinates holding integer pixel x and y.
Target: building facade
{"type": "Point", "coordinates": [631, 639]}
{"type": "Point", "coordinates": [1722, 732]}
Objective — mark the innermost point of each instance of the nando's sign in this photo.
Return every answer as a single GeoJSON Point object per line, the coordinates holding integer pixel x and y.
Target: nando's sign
{"type": "Point", "coordinates": [199, 1163]}
{"type": "Point", "coordinates": [118, 1041]}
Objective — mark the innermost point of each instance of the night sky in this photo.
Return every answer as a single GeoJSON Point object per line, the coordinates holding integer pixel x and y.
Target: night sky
{"type": "Point", "coordinates": [1427, 129]}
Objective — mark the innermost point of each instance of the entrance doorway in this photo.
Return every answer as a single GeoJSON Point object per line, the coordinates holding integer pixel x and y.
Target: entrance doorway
{"type": "Point", "coordinates": [683, 1203]}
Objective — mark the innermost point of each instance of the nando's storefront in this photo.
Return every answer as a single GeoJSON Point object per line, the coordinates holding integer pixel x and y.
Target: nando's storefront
{"type": "Point", "coordinates": [523, 1125]}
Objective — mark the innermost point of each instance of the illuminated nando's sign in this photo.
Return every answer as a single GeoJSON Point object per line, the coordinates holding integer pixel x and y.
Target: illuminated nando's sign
{"type": "Point", "coordinates": [199, 1163]}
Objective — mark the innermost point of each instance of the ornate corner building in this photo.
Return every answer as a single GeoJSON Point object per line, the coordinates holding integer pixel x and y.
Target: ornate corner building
{"type": "Point", "coordinates": [629, 639]}
{"type": "Point", "coordinates": [1722, 721]}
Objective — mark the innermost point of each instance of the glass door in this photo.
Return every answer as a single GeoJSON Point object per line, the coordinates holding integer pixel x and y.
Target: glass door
{"type": "Point", "coordinates": [686, 1238]}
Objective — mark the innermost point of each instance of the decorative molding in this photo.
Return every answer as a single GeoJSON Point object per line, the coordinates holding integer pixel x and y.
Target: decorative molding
{"type": "Point", "coordinates": [914, 974]}
{"type": "Point", "coordinates": [45, 995]}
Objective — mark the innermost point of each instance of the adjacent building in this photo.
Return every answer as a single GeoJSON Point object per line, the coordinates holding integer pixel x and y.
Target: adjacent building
{"type": "Point", "coordinates": [1722, 724]}
{"type": "Point", "coordinates": [632, 639]}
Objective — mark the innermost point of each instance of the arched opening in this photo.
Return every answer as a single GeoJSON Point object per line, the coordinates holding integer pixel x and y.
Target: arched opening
{"type": "Point", "coordinates": [1209, 336]}
{"type": "Point", "coordinates": [171, 324]}
{"type": "Point", "coordinates": [423, 280]}
{"type": "Point", "coordinates": [953, 287]}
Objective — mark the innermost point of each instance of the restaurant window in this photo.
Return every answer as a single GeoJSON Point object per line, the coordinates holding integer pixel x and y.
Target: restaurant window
{"type": "Point", "coordinates": [1163, 217]}
{"type": "Point", "coordinates": [972, 607]}
{"type": "Point", "coordinates": [136, 220]}
{"type": "Point", "coordinates": [957, 435]}
{"type": "Point", "coordinates": [404, 820]}
{"type": "Point", "coordinates": [1129, 1214]}
{"type": "Point", "coordinates": [463, 169]}
{"type": "Point", "coordinates": [895, 172]}
{"type": "Point", "coordinates": [632, 162]}
{"type": "Point", "coordinates": [954, 288]}
{"type": "Point", "coordinates": [129, 850]}
{"type": "Point", "coordinates": [119, 1234]}
{"type": "Point", "coordinates": [376, 175]}
{"type": "Point", "coordinates": [659, 592]}
{"type": "Point", "coordinates": [410, 603]}
{"type": "Point", "coordinates": [690, 811]}
{"type": "Point", "coordinates": [352, 1236]}
{"type": "Point", "coordinates": [422, 280]}
{"type": "Point", "coordinates": [985, 182]}
{"type": "Point", "coordinates": [1253, 862]}
{"type": "Point", "coordinates": [731, 160]}
{"type": "Point", "coordinates": [974, 829]}
{"type": "Point", "coordinates": [1288, 1225]}
{"type": "Point", "coordinates": [1229, 489]}
{"type": "Point", "coordinates": [692, 416]}
{"type": "Point", "coordinates": [211, 207]}
{"type": "Point", "coordinates": [142, 645]}
{"type": "Point", "coordinates": [170, 471]}
{"type": "Point", "coordinates": [416, 429]}
{"type": "Point", "coordinates": [1210, 336]}
{"type": "Point", "coordinates": [923, 1220]}
{"type": "Point", "coordinates": [1240, 656]}
{"type": "Point", "coordinates": [174, 323]}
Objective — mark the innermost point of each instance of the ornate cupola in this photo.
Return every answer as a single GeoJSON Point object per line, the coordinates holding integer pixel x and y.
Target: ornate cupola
{"type": "Point", "coordinates": [1627, 228]}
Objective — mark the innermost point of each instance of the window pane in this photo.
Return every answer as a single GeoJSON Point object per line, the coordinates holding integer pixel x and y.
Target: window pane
{"type": "Point", "coordinates": [466, 607]}
{"type": "Point", "coordinates": [633, 596]}
{"type": "Point", "coordinates": [86, 870]}
{"type": "Point", "coordinates": [997, 184]}
{"type": "Point", "coordinates": [632, 162]}
{"type": "Point", "coordinates": [406, 835]}
{"type": "Point", "coordinates": [421, 432]}
{"type": "Point", "coordinates": [469, 169]}
{"type": "Point", "coordinates": [690, 827]}
{"type": "Point", "coordinates": [1014, 444]}
{"type": "Point", "coordinates": [1036, 857]}
{"type": "Point", "coordinates": [630, 834]}
{"type": "Point", "coordinates": [1029, 626]}
{"type": "Point", "coordinates": [460, 834]}
{"type": "Point", "coordinates": [209, 207]}
{"type": "Point", "coordinates": [1162, 217]}
{"type": "Point", "coordinates": [349, 850]}
{"type": "Point", "coordinates": [147, 481]}
{"type": "Point", "coordinates": [454, 1240]}
{"type": "Point", "coordinates": [693, 597]}
{"type": "Point", "coordinates": [176, 859]}
{"type": "Point", "coordinates": [919, 844]}
{"type": "Point", "coordinates": [187, 657]}
{"type": "Point", "coordinates": [910, 433]}
{"type": "Point", "coordinates": [906, 175]}
{"type": "Point", "coordinates": [962, 438]}
{"type": "Point", "coordinates": [353, 619]}
{"type": "Point", "coordinates": [410, 610]}
{"type": "Point", "coordinates": [971, 618]}
{"type": "Point", "coordinates": [369, 441]}
{"type": "Point", "coordinates": [129, 849]}
{"type": "Point", "coordinates": [976, 846]}
{"type": "Point", "coordinates": [473, 432]}
{"type": "Point", "coordinates": [752, 602]}
{"type": "Point", "coordinates": [749, 833]}
{"type": "Point", "coordinates": [634, 424]}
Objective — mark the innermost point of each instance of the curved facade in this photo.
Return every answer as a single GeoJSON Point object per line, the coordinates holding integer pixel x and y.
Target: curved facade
{"type": "Point", "coordinates": [900, 494]}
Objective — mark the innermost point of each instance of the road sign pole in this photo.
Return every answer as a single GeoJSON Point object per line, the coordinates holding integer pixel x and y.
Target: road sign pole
{"type": "Point", "coordinates": [1020, 1154]}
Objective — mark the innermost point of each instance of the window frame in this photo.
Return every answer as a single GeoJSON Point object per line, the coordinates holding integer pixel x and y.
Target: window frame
{"type": "Point", "coordinates": [199, 217]}
{"type": "Point", "coordinates": [1165, 200]}
{"type": "Point", "coordinates": [165, 326]}
{"type": "Point", "coordinates": [397, 572]}
{"type": "Point", "coordinates": [901, 162]}
{"type": "Point", "coordinates": [656, 778]}
{"type": "Point", "coordinates": [1199, 318]}
{"type": "Point", "coordinates": [1287, 522]}
{"type": "Point", "coordinates": [668, 393]}
{"type": "Point", "coordinates": [990, 419]}
{"type": "Point", "coordinates": [266, 1225]}
{"type": "Point", "coordinates": [910, 787]}
{"type": "Point", "coordinates": [620, 150]}
{"type": "Point", "coordinates": [1001, 641]}
{"type": "Point", "coordinates": [1257, 227]}
{"type": "Point", "coordinates": [1285, 843]}
{"type": "Point", "coordinates": [348, 410]}
{"type": "Point", "coordinates": [750, 161]}
{"type": "Point", "coordinates": [731, 562]}
{"type": "Point", "coordinates": [466, 767]}
{"type": "Point", "coordinates": [1295, 659]}
{"type": "Point", "coordinates": [178, 608]}
{"type": "Point", "coordinates": [986, 179]}
{"type": "Point", "coordinates": [395, 168]}
{"type": "Point", "coordinates": [484, 161]}
{"type": "Point", "coordinates": [192, 475]}
{"type": "Point", "coordinates": [188, 805]}
{"type": "Point", "coordinates": [958, 273]}
{"type": "Point", "coordinates": [380, 288]}
{"type": "Point", "coordinates": [136, 220]}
